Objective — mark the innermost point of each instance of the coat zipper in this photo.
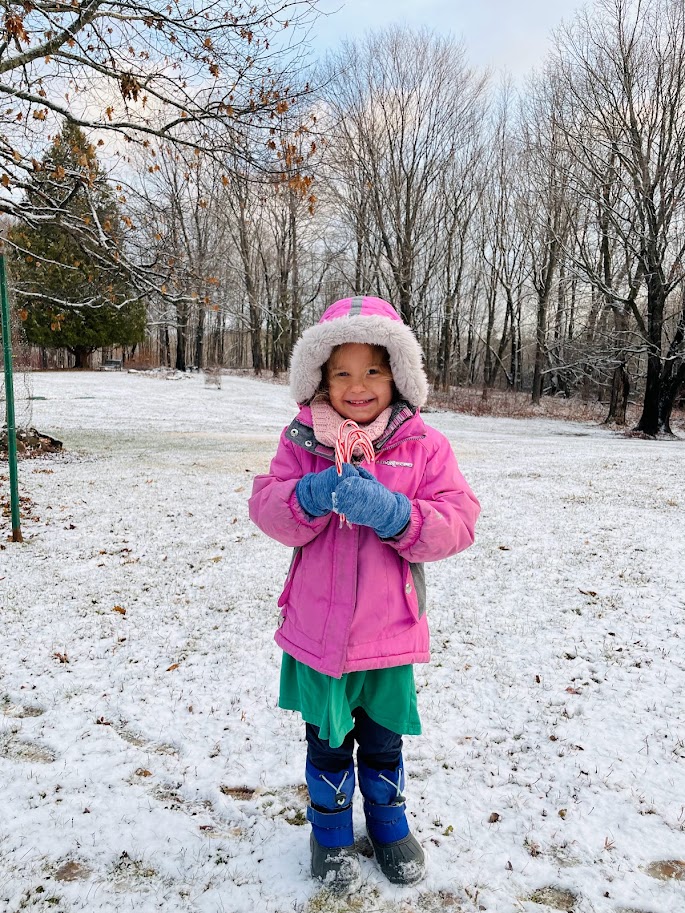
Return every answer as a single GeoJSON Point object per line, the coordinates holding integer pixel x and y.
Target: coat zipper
{"type": "Point", "coordinates": [391, 444]}
{"type": "Point", "coordinates": [343, 654]}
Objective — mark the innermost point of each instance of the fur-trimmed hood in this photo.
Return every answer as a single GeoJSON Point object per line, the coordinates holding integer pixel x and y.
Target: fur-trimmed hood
{"type": "Point", "coordinates": [359, 319]}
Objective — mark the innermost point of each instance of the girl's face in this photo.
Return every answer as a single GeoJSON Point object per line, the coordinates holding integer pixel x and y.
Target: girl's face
{"type": "Point", "coordinates": [359, 381]}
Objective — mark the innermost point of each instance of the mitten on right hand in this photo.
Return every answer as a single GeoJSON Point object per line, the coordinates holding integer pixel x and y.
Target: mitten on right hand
{"type": "Point", "coordinates": [366, 501]}
{"type": "Point", "coordinates": [315, 490]}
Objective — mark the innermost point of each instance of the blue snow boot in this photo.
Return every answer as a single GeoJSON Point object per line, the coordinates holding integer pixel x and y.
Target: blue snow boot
{"type": "Point", "coordinates": [334, 859]}
{"type": "Point", "coordinates": [398, 852]}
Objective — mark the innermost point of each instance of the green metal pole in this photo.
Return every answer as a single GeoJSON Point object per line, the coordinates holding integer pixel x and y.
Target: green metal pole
{"type": "Point", "coordinates": [9, 399]}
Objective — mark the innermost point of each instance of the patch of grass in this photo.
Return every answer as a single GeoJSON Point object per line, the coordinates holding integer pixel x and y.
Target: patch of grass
{"type": "Point", "coordinates": [238, 792]}
{"type": "Point", "coordinates": [556, 898]}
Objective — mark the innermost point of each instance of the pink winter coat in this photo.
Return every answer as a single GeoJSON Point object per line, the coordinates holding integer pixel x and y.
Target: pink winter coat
{"type": "Point", "coordinates": [352, 601]}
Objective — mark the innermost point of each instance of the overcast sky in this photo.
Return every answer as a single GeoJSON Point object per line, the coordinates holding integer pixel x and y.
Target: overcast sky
{"type": "Point", "coordinates": [511, 34]}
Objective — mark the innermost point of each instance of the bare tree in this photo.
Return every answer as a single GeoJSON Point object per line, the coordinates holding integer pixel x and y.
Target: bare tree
{"type": "Point", "coordinates": [503, 247]}
{"type": "Point", "coordinates": [403, 106]}
{"type": "Point", "coordinates": [621, 72]}
{"type": "Point", "coordinates": [543, 204]}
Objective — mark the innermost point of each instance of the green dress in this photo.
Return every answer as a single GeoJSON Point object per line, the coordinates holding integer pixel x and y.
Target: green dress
{"type": "Point", "coordinates": [387, 695]}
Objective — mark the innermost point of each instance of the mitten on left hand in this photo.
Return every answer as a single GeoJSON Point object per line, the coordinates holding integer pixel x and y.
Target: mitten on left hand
{"type": "Point", "coordinates": [367, 502]}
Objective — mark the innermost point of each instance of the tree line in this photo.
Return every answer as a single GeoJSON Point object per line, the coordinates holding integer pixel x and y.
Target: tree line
{"type": "Point", "coordinates": [532, 236]}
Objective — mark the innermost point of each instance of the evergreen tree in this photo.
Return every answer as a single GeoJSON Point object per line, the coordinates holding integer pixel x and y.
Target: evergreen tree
{"type": "Point", "coordinates": [69, 290]}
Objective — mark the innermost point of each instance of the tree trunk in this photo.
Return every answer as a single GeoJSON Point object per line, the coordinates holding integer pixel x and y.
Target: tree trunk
{"type": "Point", "coordinates": [488, 369]}
{"type": "Point", "coordinates": [358, 262]}
{"type": "Point", "coordinates": [406, 256]}
{"type": "Point", "coordinates": [620, 383]}
{"type": "Point", "coordinates": [81, 357]}
{"type": "Point", "coordinates": [515, 354]}
{"type": "Point", "coordinates": [167, 347]}
{"type": "Point", "coordinates": [445, 347]}
{"type": "Point", "coordinates": [181, 317]}
{"type": "Point", "coordinates": [295, 304]}
{"type": "Point", "coordinates": [503, 341]}
{"type": "Point", "coordinates": [649, 420]}
{"type": "Point", "coordinates": [589, 341]}
{"type": "Point", "coordinates": [200, 337]}
{"type": "Point", "coordinates": [251, 291]}
{"type": "Point", "coordinates": [673, 373]}
{"type": "Point", "coordinates": [620, 391]}
{"type": "Point", "coordinates": [540, 337]}
{"type": "Point", "coordinates": [669, 393]}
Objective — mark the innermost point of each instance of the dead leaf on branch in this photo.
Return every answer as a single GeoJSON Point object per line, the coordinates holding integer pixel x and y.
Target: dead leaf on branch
{"type": "Point", "coordinates": [14, 26]}
{"type": "Point", "coordinates": [62, 657]}
{"type": "Point", "coordinates": [120, 609]}
{"type": "Point", "coordinates": [130, 87]}
{"type": "Point", "coordinates": [173, 666]}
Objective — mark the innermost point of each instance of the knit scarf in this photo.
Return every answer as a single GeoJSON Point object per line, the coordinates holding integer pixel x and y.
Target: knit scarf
{"type": "Point", "coordinates": [327, 423]}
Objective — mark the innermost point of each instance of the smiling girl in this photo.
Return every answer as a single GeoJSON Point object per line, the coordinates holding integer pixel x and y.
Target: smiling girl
{"type": "Point", "coordinates": [353, 619]}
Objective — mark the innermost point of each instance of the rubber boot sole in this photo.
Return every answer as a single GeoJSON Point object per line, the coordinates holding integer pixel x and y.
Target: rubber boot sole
{"type": "Point", "coordinates": [402, 862]}
{"type": "Point", "coordinates": [336, 867]}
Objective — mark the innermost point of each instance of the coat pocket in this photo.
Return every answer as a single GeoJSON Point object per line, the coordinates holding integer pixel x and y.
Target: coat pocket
{"type": "Point", "coordinates": [415, 588]}
{"type": "Point", "coordinates": [287, 586]}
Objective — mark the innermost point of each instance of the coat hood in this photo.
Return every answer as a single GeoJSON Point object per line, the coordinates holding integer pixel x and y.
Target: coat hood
{"type": "Point", "coordinates": [359, 319]}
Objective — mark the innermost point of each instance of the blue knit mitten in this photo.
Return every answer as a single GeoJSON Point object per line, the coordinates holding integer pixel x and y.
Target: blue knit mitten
{"type": "Point", "coordinates": [315, 490]}
{"type": "Point", "coordinates": [367, 502]}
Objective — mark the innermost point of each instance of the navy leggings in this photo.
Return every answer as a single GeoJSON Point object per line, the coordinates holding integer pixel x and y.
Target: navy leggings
{"type": "Point", "coordinates": [379, 748]}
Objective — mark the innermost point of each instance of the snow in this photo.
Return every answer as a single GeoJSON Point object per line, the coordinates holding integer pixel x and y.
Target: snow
{"type": "Point", "coordinates": [144, 763]}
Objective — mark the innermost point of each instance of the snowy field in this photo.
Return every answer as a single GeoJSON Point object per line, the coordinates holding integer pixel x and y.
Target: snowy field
{"type": "Point", "coordinates": [144, 764]}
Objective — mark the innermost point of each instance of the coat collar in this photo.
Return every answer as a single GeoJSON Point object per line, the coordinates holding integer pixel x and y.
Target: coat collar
{"type": "Point", "coordinates": [301, 431]}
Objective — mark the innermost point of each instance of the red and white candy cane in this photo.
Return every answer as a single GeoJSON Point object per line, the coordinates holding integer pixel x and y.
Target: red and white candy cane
{"type": "Point", "coordinates": [350, 435]}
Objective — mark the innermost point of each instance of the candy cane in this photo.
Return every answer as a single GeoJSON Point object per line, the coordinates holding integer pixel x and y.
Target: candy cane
{"type": "Point", "coordinates": [350, 435]}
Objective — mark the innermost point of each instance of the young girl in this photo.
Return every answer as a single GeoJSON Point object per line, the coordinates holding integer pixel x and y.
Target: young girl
{"type": "Point", "coordinates": [353, 616]}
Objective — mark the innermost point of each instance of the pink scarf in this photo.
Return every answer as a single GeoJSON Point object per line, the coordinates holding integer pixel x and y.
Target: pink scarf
{"type": "Point", "coordinates": [327, 423]}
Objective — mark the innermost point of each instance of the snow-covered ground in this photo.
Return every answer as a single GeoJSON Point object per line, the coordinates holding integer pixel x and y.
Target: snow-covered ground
{"type": "Point", "coordinates": [144, 764]}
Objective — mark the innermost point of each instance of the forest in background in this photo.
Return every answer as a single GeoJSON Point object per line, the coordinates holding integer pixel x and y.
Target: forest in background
{"type": "Point", "coordinates": [532, 236]}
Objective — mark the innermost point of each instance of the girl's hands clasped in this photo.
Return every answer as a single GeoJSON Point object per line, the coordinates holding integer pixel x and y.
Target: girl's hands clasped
{"type": "Point", "coordinates": [358, 495]}
{"type": "Point", "coordinates": [315, 490]}
{"type": "Point", "coordinates": [367, 502]}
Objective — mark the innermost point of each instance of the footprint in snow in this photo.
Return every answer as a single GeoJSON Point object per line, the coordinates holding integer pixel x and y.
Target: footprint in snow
{"type": "Point", "coordinates": [667, 869]}
{"type": "Point", "coordinates": [72, 871]}
{"type": "Point", "coordinates": [368, 897]}
{"type": "Point", "coordinates": [20, 711]}
{"type": "Point", "coordinates": [139, 741]}
{"type": "Point", "coordinates": [241, 793]}
{"type": "Point", "coordinates": [24, 750]}
{"type": "Point", "coordinates": [168, 795]}
{"type": "Point", "coordinates": [130, 874]}
{"type": "Point", "coordinates": [631, 910]}
{"type": "Point", "coordinates": [289, 803]}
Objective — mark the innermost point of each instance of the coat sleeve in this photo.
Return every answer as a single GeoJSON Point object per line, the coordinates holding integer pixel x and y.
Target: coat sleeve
{"type": "Point", "coordinates": [443, 513]}
{"type": "Point", "coordinates": [273, 505]}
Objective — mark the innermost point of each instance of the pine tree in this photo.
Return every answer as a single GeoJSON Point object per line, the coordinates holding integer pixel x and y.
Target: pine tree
{"type": "Point", "coordinates": [69, 290]}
